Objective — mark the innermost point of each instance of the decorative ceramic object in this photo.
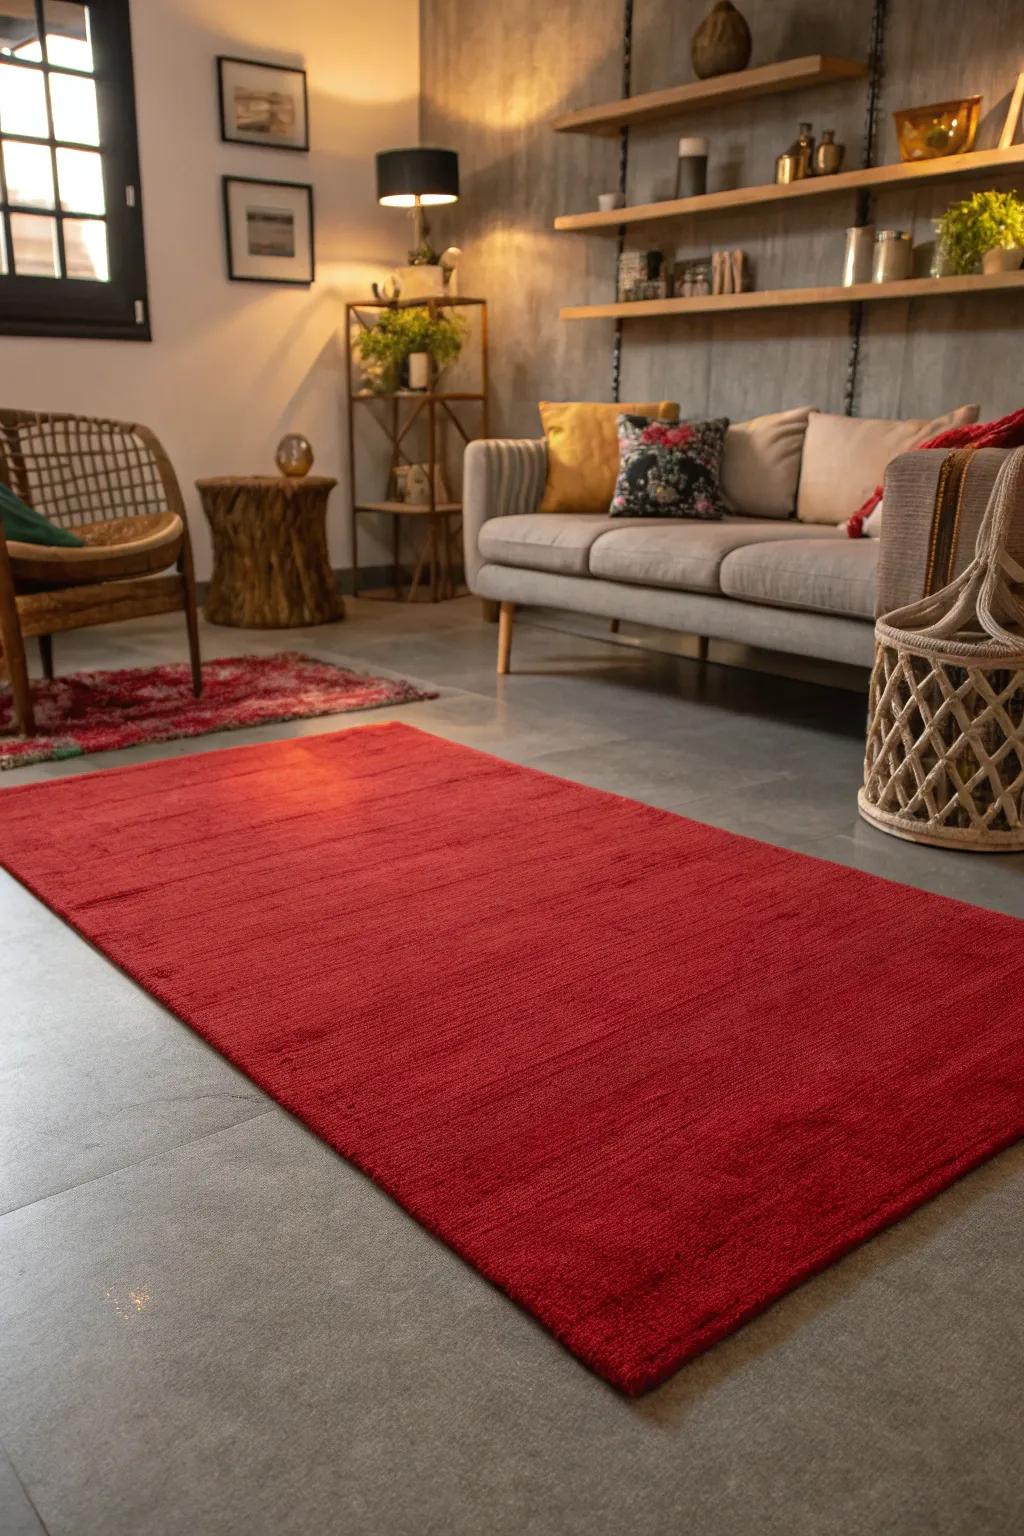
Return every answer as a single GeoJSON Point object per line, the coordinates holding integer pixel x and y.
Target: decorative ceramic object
{"type": "Point", "coordinates": [294, 456]}
{"type": "Point", "coordinates": [721, 44]}
{"type": "Point", "coordinates": [798, 160]}
{"type": "Point", "coordinates": [1003, 258]}
{"type": "Point", "coordinates": [942, 128]}
{"type": "Point", "coordinates": [420, 281]}
{"type": "Point", "coordinates": [419, 370]}
{"type": "Point", "coordinates": [692, 168]}
{"type": "Point", "coordinates": [607, 202]}
{"type": "Point", "coordinates": [829, 156]}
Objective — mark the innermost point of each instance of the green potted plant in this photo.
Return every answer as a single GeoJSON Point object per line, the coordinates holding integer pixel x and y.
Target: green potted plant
{"type": "Point", "coordinates": [400, 335]}
{"type": "Point", "coordinates": [985, 230]}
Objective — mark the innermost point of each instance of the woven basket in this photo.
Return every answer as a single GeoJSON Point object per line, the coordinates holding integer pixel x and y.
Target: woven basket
{"type": "Point", "coordinates": [945, 748]}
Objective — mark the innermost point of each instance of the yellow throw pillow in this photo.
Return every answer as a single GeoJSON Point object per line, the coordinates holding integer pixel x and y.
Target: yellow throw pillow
{"type": "Point", "coordinates": [583, 450]}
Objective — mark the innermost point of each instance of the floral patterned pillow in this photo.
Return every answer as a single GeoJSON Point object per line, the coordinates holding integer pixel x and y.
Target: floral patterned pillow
{"type": "Point", "coordinates": [669, 468]}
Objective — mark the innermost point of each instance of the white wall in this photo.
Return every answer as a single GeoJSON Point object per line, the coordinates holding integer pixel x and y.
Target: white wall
{"type": "Point", "coordinates": [234, 365]}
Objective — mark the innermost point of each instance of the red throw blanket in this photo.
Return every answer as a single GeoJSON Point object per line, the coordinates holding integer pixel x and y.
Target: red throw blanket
{"type": "Point", "coordinates": [1007, 432]}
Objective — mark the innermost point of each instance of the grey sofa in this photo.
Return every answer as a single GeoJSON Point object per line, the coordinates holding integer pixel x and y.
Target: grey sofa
{"type": "Point", "coordinates": [783, 585]}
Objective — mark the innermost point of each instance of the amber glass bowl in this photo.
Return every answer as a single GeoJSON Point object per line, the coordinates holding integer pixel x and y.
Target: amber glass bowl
{"type": "Point", "coordinates": [944, 128]}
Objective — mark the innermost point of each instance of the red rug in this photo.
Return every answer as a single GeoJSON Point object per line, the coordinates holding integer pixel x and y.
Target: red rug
{"type": "Point", "coordinates": [101, 711]}
{"type": "Point", "coordinates": [645, 1075]}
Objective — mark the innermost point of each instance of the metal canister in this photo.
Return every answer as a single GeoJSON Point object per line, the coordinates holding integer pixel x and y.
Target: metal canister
{"type": "Point", "coordinates": [893, 256]}
{"type": "Point", "coordinates": [860, 245]}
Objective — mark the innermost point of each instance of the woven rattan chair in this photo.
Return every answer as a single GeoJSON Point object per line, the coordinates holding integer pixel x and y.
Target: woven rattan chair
{"type": "Point", "coordinates": [112, 484]}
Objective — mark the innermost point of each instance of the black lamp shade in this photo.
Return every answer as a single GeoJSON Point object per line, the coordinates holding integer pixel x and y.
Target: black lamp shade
{"type": "Point", "coordinates": [403, 175]}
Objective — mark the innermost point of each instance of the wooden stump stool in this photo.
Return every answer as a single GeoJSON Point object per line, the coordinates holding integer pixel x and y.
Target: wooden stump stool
{"type": "Point", "coordinates": [270, 564]}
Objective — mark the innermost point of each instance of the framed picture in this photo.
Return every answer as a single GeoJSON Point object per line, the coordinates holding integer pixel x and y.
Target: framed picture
{"type": "Point", "coordinates": [262, 104]}
{"type": "Point", "coordinates": [269, 230]}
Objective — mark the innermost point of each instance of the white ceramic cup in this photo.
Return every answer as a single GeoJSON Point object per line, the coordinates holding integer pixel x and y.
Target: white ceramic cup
{"type": "Point", "coordinates": [609, 201]}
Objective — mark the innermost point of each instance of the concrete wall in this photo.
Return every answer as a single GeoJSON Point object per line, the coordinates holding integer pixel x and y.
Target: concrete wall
{"type": "Point", "coordinates": [234, 365]}
{"type": "Point", "coordinates": [493, 77]}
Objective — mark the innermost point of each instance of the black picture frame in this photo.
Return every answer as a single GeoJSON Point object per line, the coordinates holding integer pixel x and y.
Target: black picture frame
{"type": "Point", "coordinates": [254, 138]}
{"type": "Point", "coordinates": [235, 259]}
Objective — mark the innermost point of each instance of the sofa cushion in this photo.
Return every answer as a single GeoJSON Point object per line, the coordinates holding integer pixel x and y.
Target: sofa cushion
{"type": "Point", "coordinates": [761, 463]}
{"type": "Point", "coordinates": [543, 541]}
{"type": "Point", "coordinates": [684, 556]}
{"type": "Point", "coordinates": [845, 458]}
{"type": "Point", "coordinates": [669, 468]}
{"type": "Point", "coordinates": [583, 451]}
{"type": "Point", "coordinates": [821, 575]}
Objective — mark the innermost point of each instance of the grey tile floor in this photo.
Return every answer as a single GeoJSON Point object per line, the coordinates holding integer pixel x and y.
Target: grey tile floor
{"type": "Point", "coordinates": [210, 1324]}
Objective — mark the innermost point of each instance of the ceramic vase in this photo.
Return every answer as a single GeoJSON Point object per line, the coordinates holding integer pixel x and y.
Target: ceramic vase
{"type": "Point", "coordinates": [721, 44]}
{"type": "Point", "coordinates": [1003, 258]}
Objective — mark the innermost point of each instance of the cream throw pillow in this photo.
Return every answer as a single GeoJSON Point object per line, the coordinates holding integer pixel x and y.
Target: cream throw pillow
{"type": "Point", "coordinates": [845, 458]}
{"type": "Point", "coordinates": [583, 450]}
{"type": "Point", "coordinates": [761, 463]}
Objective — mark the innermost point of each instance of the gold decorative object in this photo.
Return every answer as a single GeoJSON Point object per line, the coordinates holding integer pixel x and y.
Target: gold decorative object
{"type": "Point", "coordinates": [943, 128]}
{"type": "Point", "coordinates": [721, 44]}
{"type": "Point", "coordinates": [829, 156]}
{"type": "Point", "coordinates": [294, 456]}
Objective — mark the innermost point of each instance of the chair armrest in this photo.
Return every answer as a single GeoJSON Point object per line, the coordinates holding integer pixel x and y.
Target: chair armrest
{"type": "Point", "coordinates": [930, 525]}
{"type": "Point", "coordinates": [501, 477]}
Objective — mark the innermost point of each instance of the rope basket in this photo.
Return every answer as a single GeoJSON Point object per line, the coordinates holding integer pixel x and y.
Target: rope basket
{"type": "Point", "coordinates": [945, 748]}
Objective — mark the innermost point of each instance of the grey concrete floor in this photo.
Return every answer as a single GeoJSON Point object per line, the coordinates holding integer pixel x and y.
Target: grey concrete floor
{"type": "Point", "coordinates": [209, 1323]}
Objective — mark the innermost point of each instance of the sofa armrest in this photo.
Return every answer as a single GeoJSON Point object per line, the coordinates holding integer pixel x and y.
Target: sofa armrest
{"type": "Point", "coordinates": [930, 522]}
{"type": "Point", "coordinates": [501, 476]}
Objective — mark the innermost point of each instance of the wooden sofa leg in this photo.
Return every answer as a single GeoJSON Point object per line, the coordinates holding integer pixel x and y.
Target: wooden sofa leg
{"type": "Point", "coordinates": [46, 655]}
{"type": "Point", "coordinates": [703, 645]}
{"type": "Point", "coordinates": [506, 615]}
{"type": "Point", "coordinates": [613, 626]}
{"type": "Point", "coordinates": [489, 609]}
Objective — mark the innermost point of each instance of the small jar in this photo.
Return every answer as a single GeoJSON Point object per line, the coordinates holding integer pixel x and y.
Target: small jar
{"type": "Point", "coordinates": [692, 168]}
{"type": "Point", "coordinates": [893, 257]}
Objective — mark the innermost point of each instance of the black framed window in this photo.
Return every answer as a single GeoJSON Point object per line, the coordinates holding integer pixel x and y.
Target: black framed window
{"type": "Point", "coordinates": [72, 259]}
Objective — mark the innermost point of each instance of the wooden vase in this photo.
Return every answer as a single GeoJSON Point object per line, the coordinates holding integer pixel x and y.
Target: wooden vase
{"type": "Point", "coordinates": [721, 44]}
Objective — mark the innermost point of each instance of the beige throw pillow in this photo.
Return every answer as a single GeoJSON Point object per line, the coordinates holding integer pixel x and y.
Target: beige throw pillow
{"type": "Point", "coordinates": [583, 450]}
{"type": "Point", "coordinates": [761, 463]}
{"type": "Point", "coordinates": [845, 458]}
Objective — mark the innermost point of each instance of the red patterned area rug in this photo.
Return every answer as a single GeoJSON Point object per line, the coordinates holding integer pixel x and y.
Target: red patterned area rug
{"type": "Point", "coordinates": [645, 1075]}
{"type": "Point", "coordinates": [101, 711]}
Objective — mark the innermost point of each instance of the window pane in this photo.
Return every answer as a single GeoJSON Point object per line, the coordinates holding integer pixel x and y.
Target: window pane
{"type": "Point", "coordinates": [73, 99]}
{"type": "Point", "coordinates": [29, 172]}
{"type": "Point", "coordinates": [67, 34]}
{"type": "Point", "coordinates": [23, 101]}
{"type": "Point", "coordinates": [19, 34]}
{"type": "Point", "coordinates": [80, 179]}
{"type": "Point", "coordinates": [85, 249]}
{"type": "Point", "coordinates": [35, 245]}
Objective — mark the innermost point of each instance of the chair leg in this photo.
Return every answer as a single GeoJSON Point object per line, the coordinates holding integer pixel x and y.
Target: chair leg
{"type": "Point", "coordinates": [489, 609]}
{"type": "Point", "coordinates": [14, 659]}
{"type": "Point", "coordinates": [46, 655]}
{"type": "Point", "coordinates": [506, 615]}
{"type": "Point", "coordinates": [613, 626]}
{"type": "Point", "coordinates": [191, 617]}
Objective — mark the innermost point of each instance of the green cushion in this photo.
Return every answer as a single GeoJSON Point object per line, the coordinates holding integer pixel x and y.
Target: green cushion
{"type": "Point", "coordinates": [24, 526]}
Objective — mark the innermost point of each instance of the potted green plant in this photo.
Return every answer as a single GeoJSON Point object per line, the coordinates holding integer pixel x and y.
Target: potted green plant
{"type": "Point", "coordinates": [985, 230]}
{"type": "Point", "coordinates": [402, 334]}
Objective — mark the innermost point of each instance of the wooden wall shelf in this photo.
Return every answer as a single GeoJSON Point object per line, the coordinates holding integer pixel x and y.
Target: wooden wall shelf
{"type": "Point", "coordinates": [768, 80]}
{"type": "Point", "coordinates": [800, 298]}
{"type": "Point", "coordinates": [952, 168]}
